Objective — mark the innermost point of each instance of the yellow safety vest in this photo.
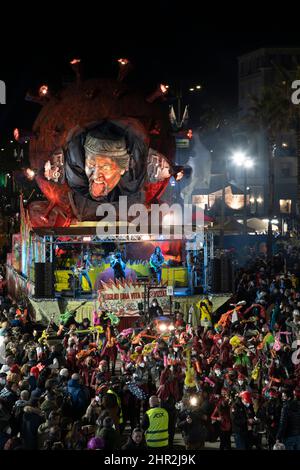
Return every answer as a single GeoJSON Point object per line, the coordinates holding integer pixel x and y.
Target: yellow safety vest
{"type": "Point", "coordinates": [119, 404]}
{"type": "Point", "coordinates": [157, 435]}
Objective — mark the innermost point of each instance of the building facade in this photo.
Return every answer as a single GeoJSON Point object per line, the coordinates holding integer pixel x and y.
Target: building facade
{"type": "Point", "coordinates": [257, 71]}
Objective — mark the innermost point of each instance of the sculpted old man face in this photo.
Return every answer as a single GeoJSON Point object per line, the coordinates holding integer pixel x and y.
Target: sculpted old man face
{"type": "Point", "coordinates": [105, 162]}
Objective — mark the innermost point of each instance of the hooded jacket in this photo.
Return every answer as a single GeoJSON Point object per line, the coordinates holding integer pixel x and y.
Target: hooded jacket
{"type": "Point", "coordinates": [195, 431]}
{"type": "Point", "coordinates": [78, 396]}
{"type": "Point", "coordinates": [289, 425]}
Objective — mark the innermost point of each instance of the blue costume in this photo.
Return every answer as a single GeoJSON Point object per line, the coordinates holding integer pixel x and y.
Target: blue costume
{"type": "Point", "coordinates": [84, 267]}
{"type": "Point", "coordinates": [118, 266]}
{"type": "Point", "coordinates": [156, 261]}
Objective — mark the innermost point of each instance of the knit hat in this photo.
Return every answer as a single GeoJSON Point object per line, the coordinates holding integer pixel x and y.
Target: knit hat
{"type": "Point", "coordinates": [35, 394]}
{"type": "Point", "coordinates": [108, 422]}
{"type": "Point", "coordinates": [15, 369]}
{"type": "Point", "coordinates": [35, 371]}
{"type": "Point", "coordinates": [246, 396]}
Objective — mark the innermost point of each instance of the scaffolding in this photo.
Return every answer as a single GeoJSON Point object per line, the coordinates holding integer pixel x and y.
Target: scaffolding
{"type": "Point", "coordinates": [198, 246]}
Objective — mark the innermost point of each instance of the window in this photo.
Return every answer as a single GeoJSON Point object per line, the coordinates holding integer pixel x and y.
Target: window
{"type": "Point", "coordinates": [285, 206]}
{"type": "Point", "coordinates": [285, 171]}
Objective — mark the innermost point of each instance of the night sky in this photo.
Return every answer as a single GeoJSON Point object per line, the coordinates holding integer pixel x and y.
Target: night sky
{"type": "Point", "coordinates": [178, 46]}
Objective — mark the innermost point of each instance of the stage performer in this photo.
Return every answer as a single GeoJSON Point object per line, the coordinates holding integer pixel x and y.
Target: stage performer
{"type": "Point", "coordinates": [83, 266]}
{"type": "Point", "coordinates": [156, 261]}
{"type": "Point", "coordinates": [118, 266]}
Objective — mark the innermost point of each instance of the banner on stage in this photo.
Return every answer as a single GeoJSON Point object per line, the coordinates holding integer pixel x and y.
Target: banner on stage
{"type": "Point", "coordinates": [124, 297]}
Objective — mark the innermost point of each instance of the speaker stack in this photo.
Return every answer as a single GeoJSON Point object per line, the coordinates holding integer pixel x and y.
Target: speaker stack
{"type": "Point", "coordinates": [222, 274]}
{"type": "Point", "coordinates": [44, 281]}
{"type": "Point", "coordinates": [216, 275]}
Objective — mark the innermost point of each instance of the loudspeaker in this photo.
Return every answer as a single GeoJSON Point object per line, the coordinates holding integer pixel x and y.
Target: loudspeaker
{"type": "Point", "coordinates": [198, 290]}
{"type": "Point", "coordinates": [216, 275]}
{"type": "Point", "coordinates": [44, 280]}
{"type": "Point", "coordinates": [226, 274]}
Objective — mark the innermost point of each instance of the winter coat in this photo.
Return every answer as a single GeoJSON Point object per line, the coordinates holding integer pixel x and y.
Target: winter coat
{"type": "Point", "coordinates": [8, 397]}
{"type": "Point", "coordinates": [289, 425]}
{"type": "Point", "coordinates": [195, 431]}
{"type": "Point", "coordinates": [222, 411]}
{"type": "Point", "coordinates": [32, 419]}
{"type": "Point", "coordinates": [111, 438]}
{"type": "Point", "coordinates": [130, 445]}
{"type": "Point", "coordinates": [79, 397]}
{"type": "Point", "coordinates": [239, 415]}
{"type": "Point", "coordinates": [4, 417]}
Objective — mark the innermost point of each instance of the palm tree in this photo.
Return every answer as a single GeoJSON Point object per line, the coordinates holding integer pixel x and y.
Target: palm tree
{"type": "Point", "coordinates": [267, 114]}
{"type": "Point", "coordinates": [290, 110]}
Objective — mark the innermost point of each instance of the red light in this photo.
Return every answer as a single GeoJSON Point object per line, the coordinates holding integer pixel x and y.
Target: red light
{"type": "Point", "coordinates": [75, 61]}
{"type": "Point", "coordinates": [43, 90]}
{"type": "Point", "coordinates": [16, 134]}
{"type": "Point", "coordinates": [164, 88]}
{"type": "Point", "coordinates": [189, 134]}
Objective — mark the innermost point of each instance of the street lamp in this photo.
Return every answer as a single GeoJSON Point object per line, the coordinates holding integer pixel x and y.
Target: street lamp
{"type": "Point", "coordinates": [242, 160]}
{"type": "Point", "coordinates": [195, 88]}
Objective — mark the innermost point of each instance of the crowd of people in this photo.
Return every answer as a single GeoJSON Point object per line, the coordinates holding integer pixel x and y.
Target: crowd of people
{"type": "Point", "coordinates": [230, 377]}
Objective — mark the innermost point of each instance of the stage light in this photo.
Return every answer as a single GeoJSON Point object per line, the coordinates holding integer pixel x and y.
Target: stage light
{"type": "Point", "coordinates": [87, 239]}
{"type": "Point", "coordinates": [193, 401]}
{"type": "Point", "coordinates": [43, 91]}
{"type": "Point", "coordinates": [171, 327]}
{"type": "Point", "coordinates": [30, 173]}
{"type": "Point", "coordinates": [259, 200]}
{"type": "Point", "coordinates": [198, 87]}
{"type": "Point", "coordinates": [16, 134]}
{"type": "Point", "coordinates": [162, 327]}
